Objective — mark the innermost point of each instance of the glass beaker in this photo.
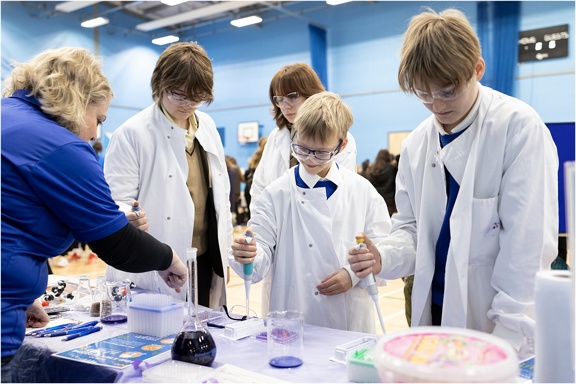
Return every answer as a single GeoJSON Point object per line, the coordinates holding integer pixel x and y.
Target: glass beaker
{"type": "Point", "coordinates": [83, 297]}
{"type": "Point", "coordinates": [193, 344]}
{"type": "Point", "coordinates": [97, 295]}
{"type": "Point", "coordinates": [285, 334]}
{"type": "Point", "coordinates": [114, 305]}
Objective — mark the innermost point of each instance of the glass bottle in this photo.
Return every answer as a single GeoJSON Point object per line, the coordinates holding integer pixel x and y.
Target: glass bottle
{"type": "Point", "coordinates": [193, 344]}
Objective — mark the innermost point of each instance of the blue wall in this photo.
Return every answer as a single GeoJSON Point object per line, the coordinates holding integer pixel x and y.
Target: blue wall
{"type": "Point", "coordinates": [364, 39]}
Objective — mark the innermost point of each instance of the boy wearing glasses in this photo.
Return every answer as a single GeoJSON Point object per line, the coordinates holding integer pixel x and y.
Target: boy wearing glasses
{"type": "Point", "coordinates": [170, 158]}
{"type": "Point", "coordinates": [305, 221]}
{"type": "Point", "coordinates": [476, 192]}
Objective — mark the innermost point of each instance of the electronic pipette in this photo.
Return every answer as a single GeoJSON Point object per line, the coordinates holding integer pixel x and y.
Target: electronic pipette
{"type": "Point", "coordinates": [371, 287]}
{"type": "Point", "coordinates": [247, 269]}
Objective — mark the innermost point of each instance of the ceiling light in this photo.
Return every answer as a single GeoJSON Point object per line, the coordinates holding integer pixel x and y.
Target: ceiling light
{"type": "Point", "coordinates": [194, 14]}
{"type": "Point", "coordinates": [96, 22]}
{"type": "Point", "coordinates": [246, 21]}
{"type": "Point", "coordinates": [173, 2]}
{"type": "Point", "coordinates": [71, 6]}
{"type": "Point", "coordinates": [337, 2]}
{"type": "Point", "coordinates": [165, 40]}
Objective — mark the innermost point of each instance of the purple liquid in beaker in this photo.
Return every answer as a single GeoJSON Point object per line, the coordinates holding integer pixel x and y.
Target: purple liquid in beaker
{"type": "Point", "coordinates": [285, 362]}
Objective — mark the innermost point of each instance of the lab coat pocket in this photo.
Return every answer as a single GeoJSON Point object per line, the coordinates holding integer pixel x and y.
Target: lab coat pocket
{"type": "Point", "coordinates": [485, 230]}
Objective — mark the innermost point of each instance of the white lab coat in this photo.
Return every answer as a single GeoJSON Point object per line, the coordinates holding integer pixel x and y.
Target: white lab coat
{"type": "Point", "coordinates": [146, 161]}
{"type": "Point", "coordinates": [275, 161]}
{"type": "Point", "coordinates": [302, 238]}
{"type": "Point", "coordinates": [504, 226]}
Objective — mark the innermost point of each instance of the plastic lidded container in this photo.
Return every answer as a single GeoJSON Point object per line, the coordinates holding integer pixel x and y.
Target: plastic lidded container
{"type": "Point", "coordinates": [444, 354]}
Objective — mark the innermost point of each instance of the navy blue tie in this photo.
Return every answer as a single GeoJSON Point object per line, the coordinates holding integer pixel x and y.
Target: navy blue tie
{"type": "Point", "coordinates": [329, 185]}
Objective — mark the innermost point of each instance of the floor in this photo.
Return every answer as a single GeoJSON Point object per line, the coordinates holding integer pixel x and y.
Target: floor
{"type": "Point", "coordinates": [391, 297]}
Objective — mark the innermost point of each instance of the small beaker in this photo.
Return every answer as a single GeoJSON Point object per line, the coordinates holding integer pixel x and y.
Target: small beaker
{"type": "Point", "coordinates": [285, 334]}
{"type": "Point", "coordinates": [83, 296]}
{"type": "Point", "coordinates": [97, 295]}
{"type": "Point", "coordinates": [114, 305]}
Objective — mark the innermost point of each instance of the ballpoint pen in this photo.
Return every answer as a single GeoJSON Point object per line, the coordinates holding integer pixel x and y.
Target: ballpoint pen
{"type": "Point", "coordinates": [69, 330]}
{"type": "Point", "coordinates": [65, 332]}
{"type": "Point", "coordinates": [80, 334]}
{"type": "Point", "coordinates": [54, 328]}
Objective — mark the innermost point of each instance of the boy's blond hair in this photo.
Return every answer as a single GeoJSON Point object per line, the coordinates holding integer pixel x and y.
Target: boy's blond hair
{"type": "Point", "coordinates": [440, 49]}
{"type": "Point", "coordinates": [321, 116]}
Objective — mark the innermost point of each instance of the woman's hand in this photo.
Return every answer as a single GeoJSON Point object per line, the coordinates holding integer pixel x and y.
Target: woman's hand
{"type": "Point", "coordinates": [176, 274]}
{"type": "Point", "coordinates": [36, 316]}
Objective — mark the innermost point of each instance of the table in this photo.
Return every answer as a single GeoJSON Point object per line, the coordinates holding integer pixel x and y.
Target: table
{"type": "Point", "coordinates": [35, 362]}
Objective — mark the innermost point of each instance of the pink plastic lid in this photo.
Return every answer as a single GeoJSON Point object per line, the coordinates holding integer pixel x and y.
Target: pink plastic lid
{"type": "Point", "coordinates": [444, 354]}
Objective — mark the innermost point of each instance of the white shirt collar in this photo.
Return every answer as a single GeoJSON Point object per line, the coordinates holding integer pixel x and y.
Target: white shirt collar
{"type": "Point", "coordinates": [333, 175]}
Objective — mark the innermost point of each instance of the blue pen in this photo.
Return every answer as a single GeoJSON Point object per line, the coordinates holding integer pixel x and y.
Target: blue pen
{"type": "Point", "coordinates": [66, 332]}
{"type": "Point", "coordinates": [80, 334]}
{"type": "Point", "coordinates": [54, 328]}
{"type": "Point", "coordinates": [65, 327]}
{"type": "Point", "coordinates": [84, 325]}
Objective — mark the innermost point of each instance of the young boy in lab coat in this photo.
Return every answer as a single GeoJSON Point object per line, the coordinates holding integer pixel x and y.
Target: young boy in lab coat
{"type": "Point", "coordinates": [476, 192]}
{"type": "Point", "coordinates": [303, 230]}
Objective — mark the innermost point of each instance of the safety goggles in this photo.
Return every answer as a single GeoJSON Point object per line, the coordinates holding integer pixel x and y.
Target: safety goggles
{"type": "Point", "coordinates": [289, 99]}
{"type": "Point", "coordinates": [445, 94]}
{"type": "Point", "coordinates": [183, 101]}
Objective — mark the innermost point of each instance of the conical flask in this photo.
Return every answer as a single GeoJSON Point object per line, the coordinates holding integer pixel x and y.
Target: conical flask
{"type": "Point", "coordinates": [194, 344]}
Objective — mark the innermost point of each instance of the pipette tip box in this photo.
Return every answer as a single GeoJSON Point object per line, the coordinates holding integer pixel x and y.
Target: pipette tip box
{"type": "Point", "coordinates": [154, 314]}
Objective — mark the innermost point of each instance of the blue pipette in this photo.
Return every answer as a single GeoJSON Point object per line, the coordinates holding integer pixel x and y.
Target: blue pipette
{"type": "Point", "coordinates": [371, 287]}
{"type": "Point", "coordinates": [248, 269]}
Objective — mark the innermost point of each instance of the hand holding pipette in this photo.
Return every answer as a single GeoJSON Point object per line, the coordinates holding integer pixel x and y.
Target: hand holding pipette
{"type": "Point", "coordinates": [137, 217]}
{"type": "Point", "coordinates": [141, 222]}
{"type": "Point", "coordinates": [370, 283]}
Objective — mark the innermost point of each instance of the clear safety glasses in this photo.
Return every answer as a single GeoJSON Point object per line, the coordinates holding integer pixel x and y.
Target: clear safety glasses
{"type": "Point", "coordinates": [302, 153]}
{"type": "Point", "coordinates": [183, 101]}
{"type": "Point", "coordinates": [445, 94]}
{"type": "Point", "coordinates": [289, 99]}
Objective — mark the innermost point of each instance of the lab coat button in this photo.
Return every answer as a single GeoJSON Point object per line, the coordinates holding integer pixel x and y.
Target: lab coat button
{"type": "Point", "coordinates": [168, 136]}
{"type": "Point", "coordinates": [316, 293]}
{"type": "Point", "coordinates": [168, 218]}
{"type": "Point", "coordinates": [310, 245]}
{"type": "Point", "coordinates": [304, 193]}
{"type": "Point", "coordinates": [433, 165]}
{"type": "Point", "coordinates": [169, 176]}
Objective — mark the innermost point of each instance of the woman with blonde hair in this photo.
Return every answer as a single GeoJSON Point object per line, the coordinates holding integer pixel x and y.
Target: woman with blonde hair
{"type": "Point", "coordinates": [56, 192]}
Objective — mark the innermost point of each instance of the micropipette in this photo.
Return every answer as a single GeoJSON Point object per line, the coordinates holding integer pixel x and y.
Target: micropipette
{"type": "Point", "coordinates": [248, 269]}
{"type": "Point", "coordinates": [136, 210]}
{"type": "Point", "coordinates": [371, 287]}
